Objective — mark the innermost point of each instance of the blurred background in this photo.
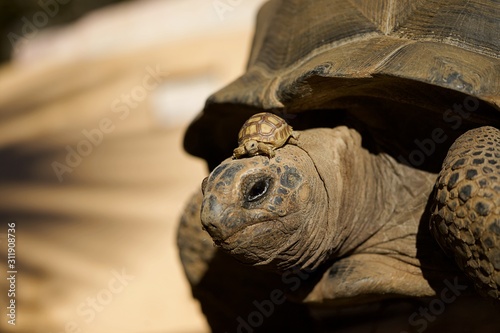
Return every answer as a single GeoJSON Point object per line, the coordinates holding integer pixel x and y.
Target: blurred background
{"type": "Point", "coordinates": [95, 97]}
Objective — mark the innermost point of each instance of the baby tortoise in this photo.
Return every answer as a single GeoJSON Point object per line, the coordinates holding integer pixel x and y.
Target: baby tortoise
{"type": "Point", "coordinates": [262, 133]}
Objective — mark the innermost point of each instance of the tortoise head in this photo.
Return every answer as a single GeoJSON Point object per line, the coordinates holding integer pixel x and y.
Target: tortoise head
{"type": "Point", "coordinates": [297, 209]}
{"type": "Point", "coordinates": [251, 147]}
{"type": "Point", "coordinates": [256, 209]}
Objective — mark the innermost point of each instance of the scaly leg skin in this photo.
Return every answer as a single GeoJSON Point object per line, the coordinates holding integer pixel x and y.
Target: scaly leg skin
{"type": "Point", "coordinates": [239, 152]}
{"type": "Point", "coordinates": [466, 215]}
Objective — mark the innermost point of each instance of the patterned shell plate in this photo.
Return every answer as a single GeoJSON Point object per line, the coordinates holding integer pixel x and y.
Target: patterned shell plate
{"type": "Point", "coordinates": [265, 127]}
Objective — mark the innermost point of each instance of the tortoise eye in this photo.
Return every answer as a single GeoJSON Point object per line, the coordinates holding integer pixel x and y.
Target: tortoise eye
{"type": "Point", "coordinates": [258, 190]}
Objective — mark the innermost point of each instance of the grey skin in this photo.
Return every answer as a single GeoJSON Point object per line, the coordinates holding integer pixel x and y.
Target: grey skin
{"type": "Point", "coordinates": [328, 201]}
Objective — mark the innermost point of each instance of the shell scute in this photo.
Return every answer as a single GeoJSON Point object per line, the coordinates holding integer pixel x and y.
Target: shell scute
{"type": "Point", "coordinates": [266, 129]}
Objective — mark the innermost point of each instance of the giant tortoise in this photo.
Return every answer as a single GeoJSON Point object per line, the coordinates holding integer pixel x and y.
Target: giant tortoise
{"type": "Point", "coordinates": [384, 215]}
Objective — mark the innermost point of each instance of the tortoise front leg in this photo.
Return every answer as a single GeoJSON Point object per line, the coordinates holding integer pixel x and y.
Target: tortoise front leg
{"type": "Point", "coordinates": [239, 152]}
{"type": "Point", "coordinates": [466, 215]}
{"type": "Point", "coordinates": [294, 138]}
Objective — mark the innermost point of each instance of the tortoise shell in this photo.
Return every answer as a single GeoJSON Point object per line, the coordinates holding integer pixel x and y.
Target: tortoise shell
{"type": "Point", "coordinates": [267, 128]}
{"type": "Point", "coordinates": [390, 64]}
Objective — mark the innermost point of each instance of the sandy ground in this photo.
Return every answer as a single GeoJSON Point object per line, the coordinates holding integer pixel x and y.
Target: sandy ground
{"type": "Point", "coordinates": [95, 183]}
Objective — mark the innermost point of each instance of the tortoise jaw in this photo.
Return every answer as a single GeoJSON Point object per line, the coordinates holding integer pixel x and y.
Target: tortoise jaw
{"type": "Point", "coordinates": [230, 238]}
{"type": "Point", "coordinates": [235, 239]}
{"type": "Point", "coordinates": [250, 244]}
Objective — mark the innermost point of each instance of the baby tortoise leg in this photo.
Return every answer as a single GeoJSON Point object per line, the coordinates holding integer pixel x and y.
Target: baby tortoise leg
{"type": "Point", "coordinates": [239, 152]}
{"type": "Point", "coordinates": [293, 139]}
{"type": "Point", "coordinates": [466, 214]}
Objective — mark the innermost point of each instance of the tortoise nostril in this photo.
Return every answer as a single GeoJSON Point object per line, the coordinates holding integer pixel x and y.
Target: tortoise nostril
{"type": "Point", "coordinates": [211, 211]}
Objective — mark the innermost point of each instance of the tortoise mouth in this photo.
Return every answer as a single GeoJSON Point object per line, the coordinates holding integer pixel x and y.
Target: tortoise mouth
{"type": "Point", "coordinates": [243, 235]}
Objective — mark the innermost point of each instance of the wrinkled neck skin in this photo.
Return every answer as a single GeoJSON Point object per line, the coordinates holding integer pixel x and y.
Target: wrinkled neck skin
{"type": "Point", "coordinates": [374, 203]}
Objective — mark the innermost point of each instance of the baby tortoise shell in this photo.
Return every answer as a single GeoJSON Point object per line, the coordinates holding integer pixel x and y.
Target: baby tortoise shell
{"type": "Point", "coordinates": [262, 133]}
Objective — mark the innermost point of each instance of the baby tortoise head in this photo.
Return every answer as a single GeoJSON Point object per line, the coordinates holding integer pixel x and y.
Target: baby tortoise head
{"type": "Point", "coordinates": [262, 133]}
